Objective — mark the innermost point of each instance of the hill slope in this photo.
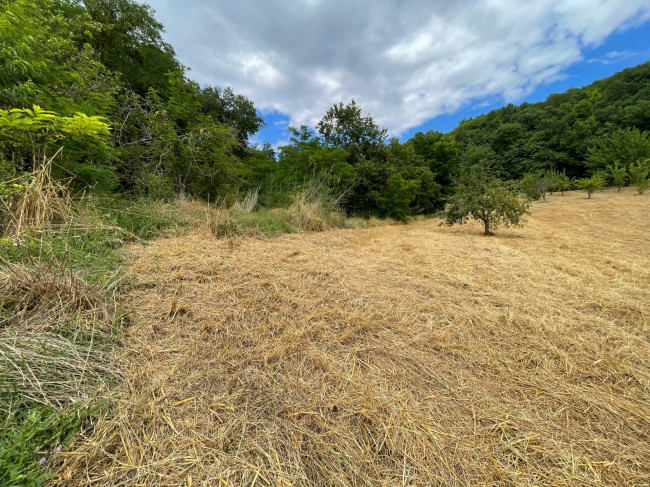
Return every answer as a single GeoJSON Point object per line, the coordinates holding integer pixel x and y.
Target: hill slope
{"type": "Point", "coordinates": [557, 133]}
{"type": "Point", "coordinates": [401, 355]}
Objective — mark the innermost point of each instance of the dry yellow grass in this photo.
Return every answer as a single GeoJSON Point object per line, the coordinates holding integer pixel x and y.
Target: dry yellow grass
{"type": "Point", "coordinates": [411, 355]}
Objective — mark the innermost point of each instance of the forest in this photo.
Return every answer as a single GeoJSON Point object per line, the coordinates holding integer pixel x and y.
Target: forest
{"type": "Point", "coordinates": [94, 85]}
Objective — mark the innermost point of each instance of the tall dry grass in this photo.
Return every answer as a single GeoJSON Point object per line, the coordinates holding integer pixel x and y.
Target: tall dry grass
{"type": "Point", "coordinates": [42, 201]}
{"type": "Point", "coordinates": [399, 355]}
{"type": "Point", "coordinates": [53, 334]}
{"type": "Point", "coordinates": [311, 210]}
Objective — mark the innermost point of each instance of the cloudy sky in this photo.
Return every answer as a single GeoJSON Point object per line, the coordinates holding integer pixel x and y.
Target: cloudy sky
{"type": "Point", "coordinates": [413, 64]}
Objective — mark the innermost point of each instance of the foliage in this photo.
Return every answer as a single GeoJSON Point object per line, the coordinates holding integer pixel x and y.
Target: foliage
{"type": "Point", "coordinates": [442, 154]}
{"type": "Point", "coordinates": [28, 137]}
{"type": "Point", "coordinates": [617, 174]}
{"type": "Point", "coordinates": [307, 158]}
{"type": "Point", "coordinates": [639, 174]}
{"type": "Point", "coordinates": [344, 126]}
{"type": "Point", "coordinates": [562, 181]}
{"type": "Point", "coordinates": [591, 184]}
{"type": "Point", "coordinates": [398, 185]}
{"type": "Point", "coordinates": [130, 41]}
{"type": "Point", "coordinates": [575, 132]}
{"type": "Point", "coordinates": [227, 107]}
{"type": "Point", "coordinates": [167, 147]}
{"type": "Point", "coordinates": [538, 184]}
{"type": "Point", "coordinates": [45, 60]}
{"type": "Point", "coordinates": [624, 147]}
{"type": "Point", "coordinates": [488, 199]}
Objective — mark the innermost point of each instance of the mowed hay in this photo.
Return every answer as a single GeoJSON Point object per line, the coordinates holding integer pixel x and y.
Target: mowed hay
{"type": "Point", "coordinates": [401, 355]}
{"type": "Point", "coordinates": [55, 335]}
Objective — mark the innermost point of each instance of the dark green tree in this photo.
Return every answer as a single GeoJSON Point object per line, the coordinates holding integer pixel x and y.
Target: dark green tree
{"type": "Point", "coordinates": [345, 127]}
{"type": "Point", "coordinates": [624, 147]}
{"type": "Point", "coordinates": [227, 107]}
{"type": "Point", "coordinates": [441, 154]}
{"type": "Point", "coordinates": [130, 42]}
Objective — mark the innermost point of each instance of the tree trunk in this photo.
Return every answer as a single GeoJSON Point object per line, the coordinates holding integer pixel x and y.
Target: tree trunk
{"type": "Point", "coordinates": [619, 189]}
{"type": "Point", "coordinates": [589, 195]}
{"type": "Point", "coordinates": [487, 226]}
{"type": "Point", "coordinates": [181, 188]}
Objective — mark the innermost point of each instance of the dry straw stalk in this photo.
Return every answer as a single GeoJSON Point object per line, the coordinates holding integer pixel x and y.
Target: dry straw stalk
{"type": "Point", "coordinates": [402, 355]}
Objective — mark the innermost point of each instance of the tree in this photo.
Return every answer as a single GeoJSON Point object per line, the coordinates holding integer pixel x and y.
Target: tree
{"type": "Point", "coordinates": [225, 106]}
{"type": "Point", "coordinates": [398, 185]}
{"type": "Point", "coordinates": [591, 184]}
{"type": "Point", "coordinates": [617, 174]}
{"type": "Point", "coordinates": [639, 173]}
{"type": "Point", "coordinates": [624, 146]}
{"type": "Point", "coordinates": [538, 184]}
{"type": "Point", "coordinates": [130, 42]}
{"type": "Point", "coordinates": [488, 199]}
{"type": "Point", "coordinates": [602, 175]}
{"type": "Point", "coordinates": [441, 153]}
{"type": "Point", "coordinates": [44, 61]}
{"type": "Point", "coordinates": [565, 132]}
{"type": "Point", "coordinates": [308, 160]}
{"type": "Point", "coordinates": [343, 126]}
{"type": "Point", "coordinates": [562, 181]}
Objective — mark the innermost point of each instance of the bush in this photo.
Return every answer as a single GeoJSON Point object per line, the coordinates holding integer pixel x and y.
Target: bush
{"type": "Point", "coordinates": [639, 173]}
{"type": "Point", "coordinates": [591, 184]}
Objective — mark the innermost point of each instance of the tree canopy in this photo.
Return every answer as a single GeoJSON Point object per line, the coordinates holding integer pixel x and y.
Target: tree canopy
{"type": "Point", "coordinates": [96, 79]}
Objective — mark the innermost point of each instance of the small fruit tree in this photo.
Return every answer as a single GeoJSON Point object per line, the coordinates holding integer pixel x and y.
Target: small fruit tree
{"type": "Point", "coordinates": [488, 199]}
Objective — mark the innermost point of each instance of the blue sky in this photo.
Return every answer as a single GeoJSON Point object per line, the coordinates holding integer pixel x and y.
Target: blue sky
{"type": "Point", "coordinates": [631, 46]}
{"type": "Point", "coordinates": [413, 65]}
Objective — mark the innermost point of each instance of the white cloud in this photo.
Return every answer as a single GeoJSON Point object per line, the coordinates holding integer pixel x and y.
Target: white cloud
{"type": "Point", "coordinates": [404, 61]}
{"type": "Point", "coordinates": [613, 57]}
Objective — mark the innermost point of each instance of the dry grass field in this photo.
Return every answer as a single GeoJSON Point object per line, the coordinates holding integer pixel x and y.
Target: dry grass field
{"type": "Point", "coordinates": [404, 355]}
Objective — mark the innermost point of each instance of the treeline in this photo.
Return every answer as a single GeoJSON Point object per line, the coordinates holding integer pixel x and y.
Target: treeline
{"type": "Point", "coordinates": [577, 132]}
{"type": "Point", "coordinates": [94, 83]}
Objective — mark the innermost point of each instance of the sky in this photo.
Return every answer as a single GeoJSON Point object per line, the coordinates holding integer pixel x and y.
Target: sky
{"type": "Point", "coordinates": [414, 65]}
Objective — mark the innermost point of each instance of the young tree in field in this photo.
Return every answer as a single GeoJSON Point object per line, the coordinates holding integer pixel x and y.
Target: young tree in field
{"type": "Point", "coordinates": [490, 200]}
{"type": "Point", "coordinates": [545, 183]}
{"type": "Point", "coordinates": [591, 184]}
{"type": "Point", "coordinates": [538, 184]}
{"type": "Point", "coordinates": [603, 176]}
{"type": "Point", "coordinates": [639, 173]}
{"type": "Point", "coordinates": [617, 174]}
{"type": "Point", "coordinates": [562, 182]}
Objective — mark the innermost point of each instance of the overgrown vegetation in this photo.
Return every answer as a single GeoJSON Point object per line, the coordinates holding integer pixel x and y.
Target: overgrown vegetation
{"type": "Point", "coordinates": [60, 326]}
